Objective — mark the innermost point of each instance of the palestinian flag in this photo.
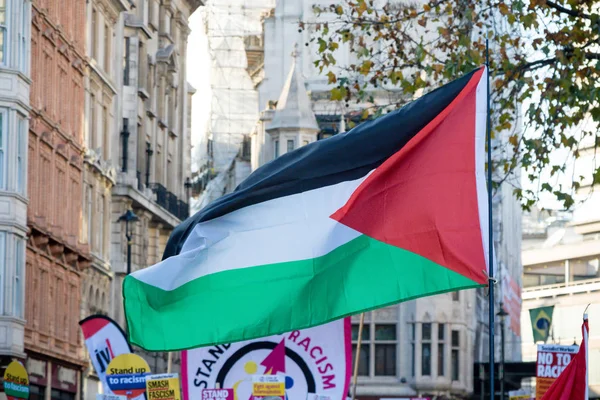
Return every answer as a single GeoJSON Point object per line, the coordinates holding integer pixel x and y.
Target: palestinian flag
{"type": "Point", "coordinates": [393, 210]}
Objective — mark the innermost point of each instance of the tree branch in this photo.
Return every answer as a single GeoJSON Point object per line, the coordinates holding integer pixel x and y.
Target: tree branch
{"type": "Point", "coordinates": [572, 13]}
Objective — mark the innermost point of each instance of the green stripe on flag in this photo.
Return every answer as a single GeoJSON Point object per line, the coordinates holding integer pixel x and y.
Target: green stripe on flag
{"type": "Point", "coordinates": [254, 302]}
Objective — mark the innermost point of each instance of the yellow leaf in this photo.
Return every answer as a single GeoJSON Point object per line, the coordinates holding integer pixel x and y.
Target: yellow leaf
{"type": "Point", "coordinates": [365, 114]}
{"type": "Point", "coordinates": [339, 10]}
{"type": "Point", "coordinates": [513, 140]}
{"type": "Point", "coordinates": [336, 94]}
{"type": "Point", "coordinates": [503, 9]}
{"type": "Point", "coordinates": [332, 77]}
{"type": "Point", "coordinates": [366, 67]}
{"type": "Point", "coordinates": [426, 7]}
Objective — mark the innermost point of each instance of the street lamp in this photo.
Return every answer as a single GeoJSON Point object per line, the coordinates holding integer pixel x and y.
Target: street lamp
{"type": "Point", "coordinates": [128, 217]}
{"type": "Point", "coordinates": [502, 316]}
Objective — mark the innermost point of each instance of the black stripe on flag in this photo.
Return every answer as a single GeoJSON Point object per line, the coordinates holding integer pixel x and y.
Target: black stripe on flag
{"type": "Point", "coordinates": [344, 157]}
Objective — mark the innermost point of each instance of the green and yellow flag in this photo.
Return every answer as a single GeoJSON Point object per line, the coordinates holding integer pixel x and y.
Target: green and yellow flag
{"type": "Point", "coordinates": [541, 320]}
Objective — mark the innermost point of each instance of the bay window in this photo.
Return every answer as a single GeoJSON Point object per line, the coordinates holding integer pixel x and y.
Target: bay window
{"type": "Point", "coordinates": [3, 145]}
{"type": "Point", "coordinates": [14, 29]}
{"type": "Point", "coordinates": [4, 271]}
{"type": "Point", "coordinates": [18, 277]}
{"type": "Point", "coordinates": [21, 154]}
{"type": "Point", "coordinates": [3, 32]}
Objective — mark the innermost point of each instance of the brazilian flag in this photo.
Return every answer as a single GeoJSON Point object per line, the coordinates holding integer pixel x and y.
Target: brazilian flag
{"type": "Point", "coordinates": [541, 320]}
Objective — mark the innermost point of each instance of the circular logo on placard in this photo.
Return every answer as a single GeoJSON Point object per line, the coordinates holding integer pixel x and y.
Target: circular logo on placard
{"type": "Point", "coordinates": [126, 376]}
{"type": "Point", "coordinates": [16, 381]}
{"type": "Point", "coordinates": [306, 364]}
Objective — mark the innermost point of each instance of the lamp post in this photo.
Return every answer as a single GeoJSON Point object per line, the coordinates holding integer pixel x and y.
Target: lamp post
{"type": "Point", "coordinates": [502, 314]}
{"type": "Point", "coordinates": [128, 217]}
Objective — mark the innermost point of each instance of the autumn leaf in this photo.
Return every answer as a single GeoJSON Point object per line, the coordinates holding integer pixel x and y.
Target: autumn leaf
{"type": "Point", "coordinates": [366, 67]}
{"type": "Point", "coordinates": [554, 85]}
{"type": "Point", "coordinates": [332, 78]}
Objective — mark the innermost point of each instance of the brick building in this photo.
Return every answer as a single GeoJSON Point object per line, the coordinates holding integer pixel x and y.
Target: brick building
{"type": "Point", "coordinates": [56, 258]}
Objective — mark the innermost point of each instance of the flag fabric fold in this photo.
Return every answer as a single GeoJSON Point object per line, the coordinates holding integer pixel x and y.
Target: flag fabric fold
{"type": "Point", "coordinates": [393, 210]}
{"type": "Point", "coordinates": [572, 383]}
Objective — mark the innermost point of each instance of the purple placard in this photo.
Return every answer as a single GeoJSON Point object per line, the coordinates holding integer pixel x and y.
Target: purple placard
{"type": "Point", "coordinates": [217, 394]}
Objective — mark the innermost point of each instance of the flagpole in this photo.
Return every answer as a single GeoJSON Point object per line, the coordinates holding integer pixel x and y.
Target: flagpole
{"type": "Point", "coordinates": [491, 279]}
{"type": "Point", "coordinates": [357, 354]}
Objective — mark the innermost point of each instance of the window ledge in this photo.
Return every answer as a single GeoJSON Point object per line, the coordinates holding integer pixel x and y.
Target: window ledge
{"type": "Point", "coordinates": [151, 113]}
{"type": "Point", "coordinates": [16, 195]}
{"type": "Point", "coordinates": [143, 93]}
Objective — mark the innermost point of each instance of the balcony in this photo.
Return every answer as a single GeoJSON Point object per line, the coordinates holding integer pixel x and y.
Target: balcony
{"type": "Point", "coordinates": [562, 289]}
{"type": "Point", "coordinates": [170, 202]}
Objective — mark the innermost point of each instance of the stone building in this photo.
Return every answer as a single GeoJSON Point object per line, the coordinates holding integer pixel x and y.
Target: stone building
{"type": "Point", "coordinates": [15, 21]}
{"type": "Point", "coordinates": [101, 129]}
{"type": "Point", "coordinates": [56, 257]}
{"type": "Point", "coordinates": [152, 150]}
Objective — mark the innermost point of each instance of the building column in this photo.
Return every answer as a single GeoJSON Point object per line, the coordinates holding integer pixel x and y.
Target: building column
{"type": "Point", "coordinates": [567, 273]}
{"type": "Point", "coordinates": [48, 391]}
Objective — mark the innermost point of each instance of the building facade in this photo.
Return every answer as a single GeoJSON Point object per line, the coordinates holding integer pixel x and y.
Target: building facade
{"type": "Point", "coordinates": [15, 81]}
{"type": "Point", "coordinates": [101, 129]}
{"type": "Point", "coordinates": [152, 150]}
{"type": "Point", "coordinates": [56, 257]}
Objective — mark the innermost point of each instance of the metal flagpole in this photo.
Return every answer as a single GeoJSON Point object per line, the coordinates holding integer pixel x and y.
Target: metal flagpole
{"type": "Point", "coordinates": [491, 279]}
{"type": "Point", "coordinates": [357, 355]}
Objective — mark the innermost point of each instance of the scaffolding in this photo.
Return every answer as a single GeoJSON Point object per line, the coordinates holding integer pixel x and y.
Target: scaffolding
{"type": "Point", "coordinates": [234, 31]}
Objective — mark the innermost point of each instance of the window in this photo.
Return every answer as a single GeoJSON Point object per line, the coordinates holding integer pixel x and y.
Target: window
{"type": "Point", "coordinates": [107, 42]}
{"type": "Point", "coordinates": [455, 296]}
{"type": "Point", "coordinates": [290, 145]}
{"type": "Point", "coordinates": [455, 355]}
{"type": "Point", "coordinates": [105, 132]}
{"type": "Point", "coordinates": [364, 361]}
{"type": "Point", "coordinates": [378, 349]}
{"type": "Point", "coordinates": [93, 33]}
{"type": "Point", "coordinates": [126, 63]}
{"type": "Point", "coordinates": [18, 283]}
{"type": "Point", "coordinates": [3, 32]}
{"type": "Point", "coordinates": [385, 350]}
{"type": "Point", "coordinates": [22, 36]}
{"type": "Point", "coordinates": [413, 338]}
{"type": "Point", "coordinates": [92, 118]}
{"type": "Point", "coordinates": [21, 149]}
{"type": "Point", "coordinates": [3, 265]}
{"type": "Point", "coordinates": [3, 137]}
{"type": "Point", "coordinates": [100, 232]}
{"type": "Point", "coordinates": [276, 148]}
{"type": "Point", "coordinates": [426, 349]}
{"type": "Point", "coordinates": [87, 216]}
{"type": "Point", "coordinates": [441, 349]}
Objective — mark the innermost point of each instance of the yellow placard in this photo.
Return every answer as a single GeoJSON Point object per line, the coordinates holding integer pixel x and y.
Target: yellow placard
{"type": "Point", "coordinates": [268, 385]}
{"type": "Point", "coordinates": [16, 381]}
{"type": "Point", "coordinates": [163, 387]}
